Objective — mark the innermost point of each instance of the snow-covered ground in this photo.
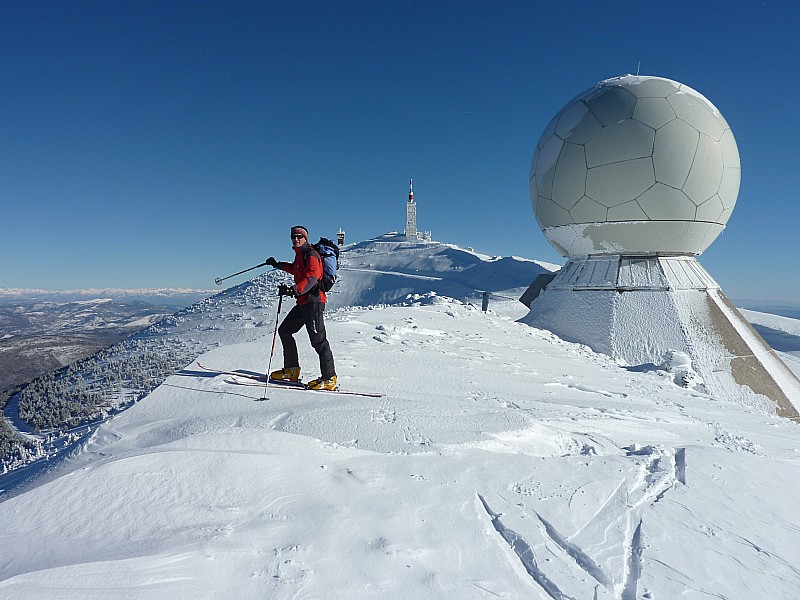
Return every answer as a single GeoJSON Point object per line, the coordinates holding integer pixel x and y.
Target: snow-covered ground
{"type": "Point", "coordinates": [782, 333]}
{"type": "Point", "coordinates": [502, 462]}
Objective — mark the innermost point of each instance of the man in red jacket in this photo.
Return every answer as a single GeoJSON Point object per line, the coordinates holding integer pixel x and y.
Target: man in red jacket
{"type": "Point", "coordinates": [307, 271]}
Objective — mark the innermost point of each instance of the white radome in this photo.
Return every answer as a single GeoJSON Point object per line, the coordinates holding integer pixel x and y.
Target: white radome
{"type": "Point", "coordinates": [635, 165]}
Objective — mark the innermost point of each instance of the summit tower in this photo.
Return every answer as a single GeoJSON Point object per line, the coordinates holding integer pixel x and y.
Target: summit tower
{"type": "Point", "coordinates": [411, 212]}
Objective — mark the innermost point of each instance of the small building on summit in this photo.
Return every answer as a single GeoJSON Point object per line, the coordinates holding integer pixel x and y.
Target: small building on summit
{"type": "Point", "coordinates": [411, 231]}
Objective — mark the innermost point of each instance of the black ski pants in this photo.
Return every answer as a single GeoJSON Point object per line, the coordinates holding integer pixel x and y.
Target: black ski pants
{"type": "Point", "coordinates": [310, 315]}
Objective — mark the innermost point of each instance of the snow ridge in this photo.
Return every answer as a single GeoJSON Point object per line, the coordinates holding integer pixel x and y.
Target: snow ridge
{"type": "Point", "coordinates": [613, 483]}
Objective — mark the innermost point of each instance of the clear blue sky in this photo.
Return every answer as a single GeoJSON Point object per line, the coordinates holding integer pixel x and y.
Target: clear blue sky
{"type": "Point", "coordinates": [148, 144]}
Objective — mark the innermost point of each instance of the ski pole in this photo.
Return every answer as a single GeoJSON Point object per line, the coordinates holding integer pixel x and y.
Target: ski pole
{"type": "Point", "coordinates": [271, 352]}
{"type": "Point", "coordinates": [219, 280]}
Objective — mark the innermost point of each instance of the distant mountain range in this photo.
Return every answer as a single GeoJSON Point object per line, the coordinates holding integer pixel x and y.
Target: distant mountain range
{"type": "Point", "coordinates": [170, 297]}
{"type": "Point", "coordinates": [775, 308]}
{"type": "Point", "coordinates": [44, 330]}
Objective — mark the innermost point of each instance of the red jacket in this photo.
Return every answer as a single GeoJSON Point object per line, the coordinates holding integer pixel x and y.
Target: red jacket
{"type": "Point", "coordinates": [307, 271]}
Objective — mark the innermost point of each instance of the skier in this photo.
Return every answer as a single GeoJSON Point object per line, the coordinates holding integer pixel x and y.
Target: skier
{"type": "Point", "coordinates": [307, 271]}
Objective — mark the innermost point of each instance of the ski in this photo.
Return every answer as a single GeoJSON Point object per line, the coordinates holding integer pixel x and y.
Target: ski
{"type": "Point", "coordinates": [274, 383]}
{"type": "Point", "coordinates": [255, 376]}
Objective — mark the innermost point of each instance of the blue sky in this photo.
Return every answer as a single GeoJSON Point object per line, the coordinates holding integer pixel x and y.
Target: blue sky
{"type": "Point", "coordinates": [162, 144]}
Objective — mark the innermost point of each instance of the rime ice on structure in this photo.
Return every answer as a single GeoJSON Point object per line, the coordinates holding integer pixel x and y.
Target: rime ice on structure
{"type": "Point", "coordinates": [411, 217]}
{"type": "Point", "coordinates": [631, 181]}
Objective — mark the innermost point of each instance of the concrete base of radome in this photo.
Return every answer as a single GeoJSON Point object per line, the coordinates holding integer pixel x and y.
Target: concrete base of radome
{"type": "Point", "coordinates": [648, 310]}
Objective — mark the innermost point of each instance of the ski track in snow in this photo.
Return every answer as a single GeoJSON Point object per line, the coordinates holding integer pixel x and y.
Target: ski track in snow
{"type": "Point", "coordinates": [524, 553]}
{"type": "Point", "coordinates": [657, 470]}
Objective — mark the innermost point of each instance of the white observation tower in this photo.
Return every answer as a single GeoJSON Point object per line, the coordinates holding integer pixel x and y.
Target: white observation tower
{"type": "Point", "coordinates": [411, 212]}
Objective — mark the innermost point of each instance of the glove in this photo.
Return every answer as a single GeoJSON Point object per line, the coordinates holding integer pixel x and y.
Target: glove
{"type": "Point", "coordinates": [272, 262]}
{"type": "Point", "coordinates": [285, 290]}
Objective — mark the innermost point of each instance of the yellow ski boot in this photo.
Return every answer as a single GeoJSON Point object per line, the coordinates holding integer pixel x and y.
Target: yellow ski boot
{"type": "Point", "coordinates": [323, 384]}
{"type": "Point", "coordinates": [286, 374]}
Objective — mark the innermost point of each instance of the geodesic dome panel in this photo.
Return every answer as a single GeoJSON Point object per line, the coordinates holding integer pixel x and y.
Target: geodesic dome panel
{"type": "Point", "coordinates": [649, 163]}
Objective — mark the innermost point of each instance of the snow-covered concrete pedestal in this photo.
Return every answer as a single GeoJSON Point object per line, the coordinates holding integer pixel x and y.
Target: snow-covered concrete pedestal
{"type": "Point", "coordinates": [642, 310]}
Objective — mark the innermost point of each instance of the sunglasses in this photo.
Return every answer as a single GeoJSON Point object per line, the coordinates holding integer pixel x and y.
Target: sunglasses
{"type": "Point", "coordinates": [297, 236]}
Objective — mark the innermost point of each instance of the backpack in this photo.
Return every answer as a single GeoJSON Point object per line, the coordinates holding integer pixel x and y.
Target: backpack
{"type": "Point", "coordinates": [329, 253]}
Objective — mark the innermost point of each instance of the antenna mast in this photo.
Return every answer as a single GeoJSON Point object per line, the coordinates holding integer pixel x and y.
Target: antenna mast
{"type": "Point", "coordinates": [411, 212]}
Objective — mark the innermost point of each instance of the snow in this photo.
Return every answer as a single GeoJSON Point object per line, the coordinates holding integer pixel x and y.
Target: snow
{"type": "Point", "coordinates": [782, 334]}
{"type": "Point", "coordinates": [143, 321]}
{"type": "Point", "coordinates": [503, 462]}
{"type": "Point", "coordinates": [776, 322]}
